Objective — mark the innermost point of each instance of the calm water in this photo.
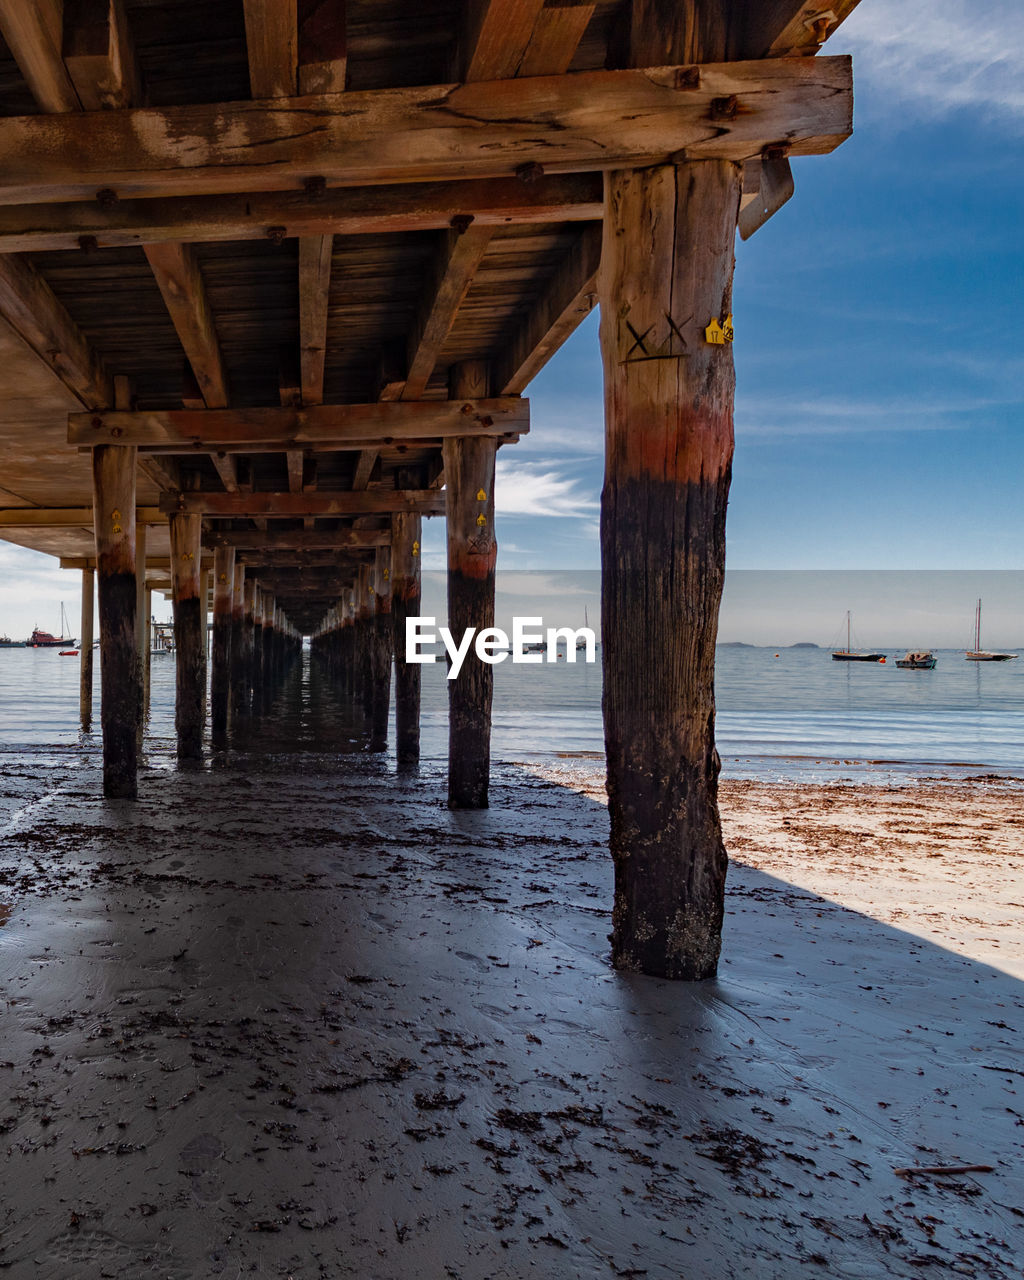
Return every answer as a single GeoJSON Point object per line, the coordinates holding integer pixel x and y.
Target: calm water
{"type": "Point", "coordinates": [795, 714]}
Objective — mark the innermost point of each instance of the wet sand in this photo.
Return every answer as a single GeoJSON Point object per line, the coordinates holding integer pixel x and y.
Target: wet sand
{"type": "Point", "coordinates": [293, 1018]}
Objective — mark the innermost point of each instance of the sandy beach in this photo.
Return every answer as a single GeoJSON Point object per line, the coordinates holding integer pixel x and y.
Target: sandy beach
{"type": "Point", "coordinates": [304, 1021]}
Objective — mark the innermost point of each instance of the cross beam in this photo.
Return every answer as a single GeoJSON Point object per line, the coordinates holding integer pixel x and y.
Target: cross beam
{"type": "Point", "coordinates": [289, 505]}
{"type": "Point", "coordinates": [278, 429]}
{"type": "Point", "coordinates": [297, 540]}
{"type": "Point", "coordinates": [591, 120]}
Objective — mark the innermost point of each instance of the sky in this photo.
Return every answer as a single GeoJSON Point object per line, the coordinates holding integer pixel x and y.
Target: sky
{"type": "Point", "coordinates": [878, 344]}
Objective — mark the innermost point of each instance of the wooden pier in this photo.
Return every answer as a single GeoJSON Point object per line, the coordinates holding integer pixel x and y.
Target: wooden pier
{"type": "Point", "coordinates": [274, 276]}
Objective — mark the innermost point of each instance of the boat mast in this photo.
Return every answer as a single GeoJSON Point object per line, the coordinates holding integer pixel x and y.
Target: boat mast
{"type": "Point", "coordinates": [977, 628]}
{"type": "Point", "coordinates": [848, 649]}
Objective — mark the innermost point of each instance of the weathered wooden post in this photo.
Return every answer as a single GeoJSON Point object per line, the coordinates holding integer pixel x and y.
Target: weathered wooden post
{"type": "Point", "coordinates": [147, 651]}
{"type": "Point", "coordinates": [472, 556]}
{"type": "Point", "coordinates": [113, 478]}
{"type": "Point", "coordinates": [85, 670]}
{"type": "Point", "coordinates": [189, 637]}
{"type": "Point", "coordinates": [220, 662]}
{"type": "Point", "coordinates": [666, 274]}
{"type": "Point", "coordinates": [267, 649]}
{"type": "Point", "coordinates": [382, 648]}
{"type": "Point", "coordinates": [238, 675]}
{"type": "Point", "coordinates": [405, 603]}
{"type": "Point", "coordinates": [363, 664]}
{"type": "Point", "coordinates": [257, 649]}
{"type": "Point", "coordinates": [140, 621]}
{"type": "Point", "coordinates": [248, 642]}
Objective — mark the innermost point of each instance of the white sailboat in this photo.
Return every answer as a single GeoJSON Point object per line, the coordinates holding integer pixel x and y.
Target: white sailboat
{"type": "Point", "coordinates": [978, 654]}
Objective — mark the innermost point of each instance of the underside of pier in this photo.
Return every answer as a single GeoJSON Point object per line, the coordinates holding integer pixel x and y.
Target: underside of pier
{"type": "Point", "coordinates": [274, 276]}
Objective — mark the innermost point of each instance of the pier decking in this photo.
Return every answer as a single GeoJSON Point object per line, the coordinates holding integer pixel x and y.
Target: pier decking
{"type": "Point", "coordinates": [274, 276]}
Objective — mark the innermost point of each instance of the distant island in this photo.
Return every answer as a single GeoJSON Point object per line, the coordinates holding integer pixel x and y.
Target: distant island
{"type": "Point", "coordinates": [742, 644]}
{"type": "Point", "coordinates": [804, 644]}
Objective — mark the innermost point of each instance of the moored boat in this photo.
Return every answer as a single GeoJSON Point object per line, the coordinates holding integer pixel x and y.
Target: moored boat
{"type": "Point", "coordinates": [7, 643]}
{"type": "Point", "coordinates": [40, 639]}
{"type": "Point", "coordinates": [849, 654]}
{"type": "Point", "coordinates": [978, 654]}
{"type": "Point", "coordinates": [917, 660]}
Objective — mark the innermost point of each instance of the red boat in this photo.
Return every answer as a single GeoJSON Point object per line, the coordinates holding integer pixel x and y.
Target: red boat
{"type": "Point", "coordinates": [45, 640]}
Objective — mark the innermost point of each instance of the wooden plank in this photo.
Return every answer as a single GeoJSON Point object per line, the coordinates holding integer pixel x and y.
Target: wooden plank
{"type": "Point", "coordinates": [297, 539]}
{"type": "Point", "coordinates": [323, 46]}
{"type": "Point", "coordinates": [314, 290]}
{"type": "Point", "coordinates": [774, 187]}
{"type": "Point", "coordinates": [272, 39]}
{"type": "Point", "coordinates": [458, 258]}
{"type": "Point", "coordinates": [289, 505]}
{"type": "Point", "coordinates": [67, 517]}
{"type": "Point", "coordinates": [590, 120]}
{"type": "Point", "coordinates": [555, 39]}
{"type": "Point", "coordinates": [495, 37]}
{"type": "Point", "coordinates": [176, 269]}
{"type": "Point", "coordinates": [364, 468]}
{"type": "Point", "coordinates": [426, 206]}
{"type": "Point", "coordinates": [278, 429]}
{"type": "Point", "coordinates": [566, 301]}
{"type": "Point", "coordinates": [34, 32]}
{"type": "Point", "coordinates": [38, 316]}
{"type": "Point", "coordinates": [99, 54]}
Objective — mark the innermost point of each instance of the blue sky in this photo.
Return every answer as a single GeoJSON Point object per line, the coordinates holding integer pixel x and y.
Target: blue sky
{"type": "Point", "coordinates": [878, 332]}
{"type": "Point", "coordinates": [878, 341]}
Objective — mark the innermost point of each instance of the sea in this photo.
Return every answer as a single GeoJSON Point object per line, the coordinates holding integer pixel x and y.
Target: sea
{"type": "Point", "coordinates": [783, 714]}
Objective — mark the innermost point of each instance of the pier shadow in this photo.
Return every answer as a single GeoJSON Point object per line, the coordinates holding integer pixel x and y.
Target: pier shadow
{"type": "Point", "coordinates": [294, 1015]}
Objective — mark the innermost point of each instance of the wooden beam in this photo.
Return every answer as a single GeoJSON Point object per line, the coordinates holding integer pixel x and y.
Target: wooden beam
{"type": "Point", "coordinates": [276, 430]}
{"type": "Point", "coordinates": [364, 468]}
{"type": "Point", "coordinates": [34, 34]}
{"type": "Point", "coordinates": [495, 37]}
{"type": "Point", "coordinates": [38, 316]}
{"type": "Point", "coordinates": [165, 473]}
{"type": "Point", "coordinates": [314, 292]}
{"type": "Point", "coordinates": [426, 206]}
{"type": "Point", "coordinates": [567, 299]}
{"type": "Point", "coordinates": [323, 46]}
{"type": "Point", "coordinates": [176, 269]}
{"type": "Point", "coordinates": [296, 465]}
{"type": "Point", "coordinates": [99, 54]}
{"type": "Point", "coordinates": [458, 258]}
{"type": "Point", "coordinates": [788, 28]}
{"type": "Point", "coordinates": [67, 517]}
{"type": "Point", "coordinates": [555, 39]}
{"type": "Point", "coordinates": [774, 186]}
{"type": "Point", "coordinates": [297, 539]}
{"type": "Point", "coordinates": [590, 120]}
{"type": "Point", "coordinates": [290, 505]}
{"type": "Point", "coordinates": [227, 469]}
{"type": "Point", "coordinates": [271, 38]}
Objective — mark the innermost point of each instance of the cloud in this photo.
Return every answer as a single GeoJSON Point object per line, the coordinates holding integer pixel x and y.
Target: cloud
{"type": "Point", "coordinates": [939, 56]}
{"type": "Point", "coordinates": [539, 489]}
{"type": "Point", "coordinates": [772, 417]}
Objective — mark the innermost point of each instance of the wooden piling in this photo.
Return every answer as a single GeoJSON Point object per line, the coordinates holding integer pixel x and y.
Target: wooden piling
{"type": "Point", "coordinates": [472, 556]}
{"type": "Point", "coordinates": [405, 603]}
{"type": "Point", "coordinates": [382, 649]}
{"type": "Point", "coordinates": [147, 651]}
{"type": "Point", "coordinates": [248, 652]}
{"type": "Point", "coordinates": [113, 475]}
{"type": "Point", "coordinates": [220, 662]}
{"type": "Point", "coordinates": [85, 652]}
{"type": "Point", "coordinates": [238, 674]}
{"type": "Point", "coordinates": [189, 637]}
{"type": "Point", "coordinates": [666, 274]}
{"type": "Point", "coordinates": [140, 622]}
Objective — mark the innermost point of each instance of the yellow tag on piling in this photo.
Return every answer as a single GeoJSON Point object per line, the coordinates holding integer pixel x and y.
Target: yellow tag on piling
{"type": "Point", "coordinates": [415, 548]}
{"type": "Point", "coordinates": [718, 334]}
{"type": "Point", "coordinates": [115, 514]}
{"type": "Point", "coordinates": [481, 521]}
{"type": "Point", "coordinates": [481, 496]}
